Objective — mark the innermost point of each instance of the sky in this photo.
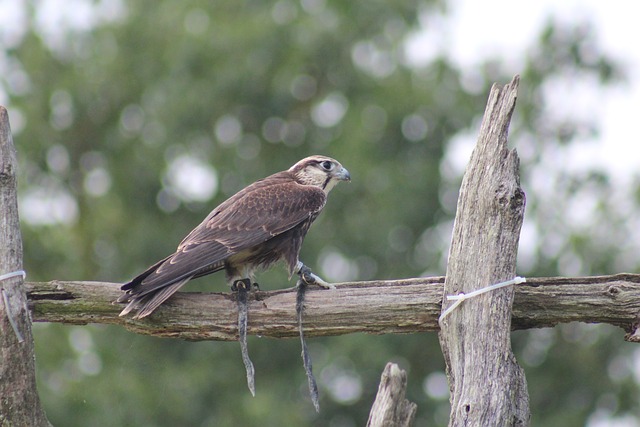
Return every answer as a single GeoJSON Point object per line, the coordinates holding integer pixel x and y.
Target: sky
{"type": "Point", "coordinates": [502, 28]}
{"type": "Point", "coordinates": [472, 31]}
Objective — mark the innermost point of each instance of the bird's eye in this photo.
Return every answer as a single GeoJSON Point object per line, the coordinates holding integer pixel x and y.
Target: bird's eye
{"type": "Point", "coordinates": [326, 165]}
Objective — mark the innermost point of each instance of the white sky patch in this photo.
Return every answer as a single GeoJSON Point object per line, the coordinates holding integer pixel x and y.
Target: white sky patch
{"type": "Point", "coordinates": [369, 58]}
{"type": "Point", "coordinates": [58, 158]}
{"type": "Point", "coordinates": [458, 153]}
{"type": "Point", "coordinates": [336, 267]}
{"type": "Point", "coordinates": [97, 182]}
{"type": "Point", "coordinates": [475, 31]}
{"type": "Point", "coordinates": [48, 206]}
{"type": "Point", "coordinates": [606, 418]}
{"type": "Point", "coordinates": [495, 28]}
{"type": "Point", "coordinates": [435, 386]}
{"type": "Point", "coordinates": [54, 17]}
{"type": "Point", "coordinates": [330, 111]}
{"type": "Point", "coordinates": [191, 179]}
{"type": "Point", "coordinates": [13, 21]}
{"type": "Point", "coordinates": [342, 381]}
{"type": "Point", "coordinates": [228, 129]}
{"type": "Point", "coordinates": [423, 46]}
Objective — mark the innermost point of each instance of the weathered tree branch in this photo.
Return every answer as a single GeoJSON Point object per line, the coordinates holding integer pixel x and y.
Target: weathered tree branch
{"type": "Point", "coordinates": [390, 407]}
{"type": "Point", "coordinates": [381, 307]}
{"type": "Point", "coordinates": [488, 387]}
{"type": "Point", "coordinates": [19, 401]}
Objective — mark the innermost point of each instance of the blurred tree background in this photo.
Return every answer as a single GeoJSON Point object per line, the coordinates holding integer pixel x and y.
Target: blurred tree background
{"type": "Point", "coordinates": [134, 119]}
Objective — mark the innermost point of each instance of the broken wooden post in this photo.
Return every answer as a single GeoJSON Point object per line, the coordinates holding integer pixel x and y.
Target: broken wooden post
{"type": "Point", "coordinates": [390, 407]}
{"type": "Point", "coordinates": [487, 386]}
{"type": "Point", "coordinates": [19, 401]}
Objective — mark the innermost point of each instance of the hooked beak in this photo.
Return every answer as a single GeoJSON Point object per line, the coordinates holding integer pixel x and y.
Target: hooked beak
{"type": "Point", "coordinates": [343, 175]}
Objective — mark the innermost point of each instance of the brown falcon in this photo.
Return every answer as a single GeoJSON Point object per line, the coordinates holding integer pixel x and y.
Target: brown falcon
{"type": "Point", "coordinates": [260, 225]}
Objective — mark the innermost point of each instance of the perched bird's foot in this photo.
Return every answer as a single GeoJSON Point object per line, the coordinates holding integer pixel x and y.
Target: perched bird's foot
{"type": "Point", "coordinates": [255, 286]}
{"type": "Point", "coordinates": [309, 278]}
{"type": "Point", "coordinates": [242, 284]}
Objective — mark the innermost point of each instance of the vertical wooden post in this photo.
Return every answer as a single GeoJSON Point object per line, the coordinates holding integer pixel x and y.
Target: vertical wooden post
{"type": "Point", "coordinates": [488, 388]}
{"type": "Point", "coordinates": [19, 401]}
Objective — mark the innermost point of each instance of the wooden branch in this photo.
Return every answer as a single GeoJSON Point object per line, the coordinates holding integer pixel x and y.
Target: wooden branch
{"type": "Point", "coordinates": [381, 307]}
{"type": "Point", "coordinates": [390, 407]}
{"type": "Point", "coordinates": [19, 401]}
{"type": "Point", "coordinates": [488, 388]}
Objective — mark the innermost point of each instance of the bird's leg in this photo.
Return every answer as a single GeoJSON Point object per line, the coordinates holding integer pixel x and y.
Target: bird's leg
{"type": "Point", "coordinates": [242, 287]}
{"type": "Point", "coordinates": [306, 359]}
{"type": "Point", "coordinates": [309, 278]}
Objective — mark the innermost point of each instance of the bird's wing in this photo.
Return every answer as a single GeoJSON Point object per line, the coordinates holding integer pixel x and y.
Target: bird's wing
{"type": "Point", "coordinates": [259, 212]}
{"type": "Point", "coordinates": [254, 215]}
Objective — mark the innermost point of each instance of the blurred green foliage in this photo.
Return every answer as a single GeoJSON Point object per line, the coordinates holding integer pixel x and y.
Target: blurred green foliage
{"type": "Point", "coordinates": [133, 121]}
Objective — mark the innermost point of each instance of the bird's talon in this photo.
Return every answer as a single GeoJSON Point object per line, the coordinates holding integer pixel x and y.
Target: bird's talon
{"type": "Point", "coordinates": [308, 278]}
{"type": "Point", "coordinates": [241, 284]}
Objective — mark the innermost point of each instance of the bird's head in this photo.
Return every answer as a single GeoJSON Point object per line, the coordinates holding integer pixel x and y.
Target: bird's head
{"type": "Point", "coordinates": [320, 171]}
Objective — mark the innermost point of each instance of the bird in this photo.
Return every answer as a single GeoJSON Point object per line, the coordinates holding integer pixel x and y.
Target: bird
{"type": "Point", "coordinates": [262, 224]}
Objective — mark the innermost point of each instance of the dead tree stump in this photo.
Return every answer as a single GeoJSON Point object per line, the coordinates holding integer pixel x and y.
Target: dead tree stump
{"type": "Point", "coordinates": [488, 388]}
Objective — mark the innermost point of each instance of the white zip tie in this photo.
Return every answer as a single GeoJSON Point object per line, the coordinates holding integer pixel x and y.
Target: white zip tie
{"type": "Point", "coordinates": [462, 296]}
{"type": "Point", "coordinates": [13, 274]}
{"type": "Point", "coordinates": [5, 300]}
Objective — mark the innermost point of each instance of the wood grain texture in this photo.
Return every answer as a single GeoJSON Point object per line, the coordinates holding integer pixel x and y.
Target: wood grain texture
{"type": "Point", "coordinates": [390, 407]}
{"type": "Point", "coordinates": [377, 307]}
{"type": "Point", "coordinates": [19, 401]}
{"type": "Point", "coordinates": [488, 387]}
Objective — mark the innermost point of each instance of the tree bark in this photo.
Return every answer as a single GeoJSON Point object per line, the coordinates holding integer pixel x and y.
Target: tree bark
{"type": "Point", "coordinates": [488, 388]}
{"type": "Point", "coordinates": [380, 307]}
{"type": "Point", "coordinates": [19, 401]}
{"type": "Point", "coordinates": [390, 407]}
